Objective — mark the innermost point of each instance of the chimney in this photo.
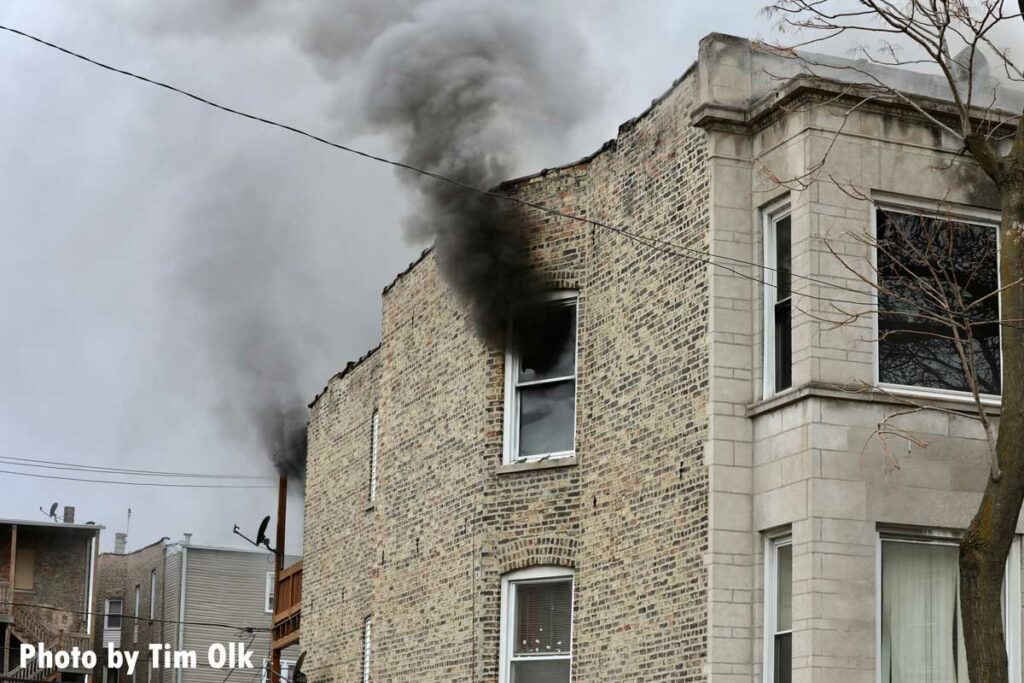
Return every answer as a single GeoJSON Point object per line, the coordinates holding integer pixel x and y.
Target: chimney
{"type": "Point", "coordinates": [120, 541]}
{"type": "Point", "coordinates": [69, 514]}
{"type": "Point", "coordinates": [187, 538]}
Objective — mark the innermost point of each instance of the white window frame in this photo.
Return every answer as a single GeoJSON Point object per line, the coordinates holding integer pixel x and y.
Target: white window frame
{"type": "Point", "coordinates": [374, 451]}
{"type": "Point", "coordinates": [1011, 589]}
{"type": "Point", "coordinates": [931, 209]}
{"type": "Point", "coordinates": [107, 614]}
{"type": "Point", "coordinates": [269, 594]}
{"type": "Point", "coordinates": [152, 595]}
{"type": "Point", "coordinates": [286, 667]}
{"type": "Point", "coordinates": [771, 214]}
{"type": "Point", "coordinates": [509, 582]}
{"type": "Point", "coordinates": [367, 647]}
{"type": "Point", "coordinates": [135, 613]}
{"type": "Point", "coordinates": [511, 422]}
{"type": "Point", "coordinates": [772, 543]}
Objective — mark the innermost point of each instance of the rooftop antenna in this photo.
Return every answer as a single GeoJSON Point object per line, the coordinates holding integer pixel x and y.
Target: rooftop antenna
{"type": "Point", "coordinates": [52, 514]}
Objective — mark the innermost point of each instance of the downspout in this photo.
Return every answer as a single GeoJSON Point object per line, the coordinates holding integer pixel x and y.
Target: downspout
{"type": "Point", "coordinates": [89, 611]}
{"type": "Point", "coordinates": [90, 593]}
{"type": "Point", "coordinates": [181, 605]}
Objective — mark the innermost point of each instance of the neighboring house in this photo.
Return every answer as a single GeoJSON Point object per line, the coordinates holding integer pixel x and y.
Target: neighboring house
{"type": "Point", "coordinates": [187, 596]}
{"type": "Point", "coordinates": [689, 495]}
{"type": "Point", "coordinates": [46, 590]}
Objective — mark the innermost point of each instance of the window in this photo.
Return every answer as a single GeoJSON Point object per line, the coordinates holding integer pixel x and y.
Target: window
{"type": "Point", "coordinates": [109, 674]}
{"type": "Point", "coordinates": [112, 614]}
{"type": "Point", "coordinates": [540, 382]}
{"type": "Point", "coordinates": [268, 594]}
{"type": "Point", "coordinates": [25, 569]}
{"type": "Point", "coordinates": [367, 633]}
{"type": "Point", "coordinates": [778, 307]}
{"type": "Point", "coordinates": [374, 447]}
{"type": "Point", "coordinates": [135, 613]}
{"type": "Point", "coordinates": [778, 610]}
{"type": "Point", "coordinates": [536, 634]}
{"type": "Point", "coordinates": [921, 629]}
{"type": "Point", "coordinates": [152, 595]}
{"type": "Point", "coordinates": [286, 668]}
{"type": "Point", "coordinates": [923, 262]}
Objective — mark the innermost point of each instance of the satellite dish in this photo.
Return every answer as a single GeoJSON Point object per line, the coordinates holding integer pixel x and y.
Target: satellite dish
{"type": "Point", "coordinates": [53, 511]}
{"type": "Point", "coordinates": [261, 535]}
{"type": "Point", "coordinates": [297, 675]}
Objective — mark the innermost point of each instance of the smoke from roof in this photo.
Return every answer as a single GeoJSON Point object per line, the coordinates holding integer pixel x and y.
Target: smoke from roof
{"type": "Point", "coordinates": [468, 89]}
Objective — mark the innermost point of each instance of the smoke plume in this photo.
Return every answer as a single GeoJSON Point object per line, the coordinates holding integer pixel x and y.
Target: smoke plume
{"type": "Point", "coordinates": [467, 89]}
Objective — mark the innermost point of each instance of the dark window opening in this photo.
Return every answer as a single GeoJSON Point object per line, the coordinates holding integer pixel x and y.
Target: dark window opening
{"type": "Point", "coordinates": [937, 282]}
{"type": "Point", "coordinates": [782, 310]}
{"type": "Point", "coordinates": [543, 381]}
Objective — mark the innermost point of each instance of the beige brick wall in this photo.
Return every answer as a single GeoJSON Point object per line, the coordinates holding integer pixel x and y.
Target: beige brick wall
{"type": "Point", "coordinates": [629, 514]}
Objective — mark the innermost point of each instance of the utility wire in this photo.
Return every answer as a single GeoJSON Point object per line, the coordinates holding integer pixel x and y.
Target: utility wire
{"type": "Point", "coordinates": [232, 670]}
{"type": "Point", "coordinates": [57, 465]}
{"type": "Point", "coordinates": [139, 483]}
{"type": "Point", "coordinates": [236, 627]}
{"type": "Point", "coordinates": [657, 244]}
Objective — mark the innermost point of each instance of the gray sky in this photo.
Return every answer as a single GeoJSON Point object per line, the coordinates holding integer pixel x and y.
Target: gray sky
{"type": "Point", "coordinates": [127, 210]}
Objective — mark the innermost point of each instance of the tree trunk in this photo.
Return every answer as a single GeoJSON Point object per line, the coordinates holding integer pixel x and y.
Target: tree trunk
{"type": "Point", "coordinates": [985, 546]}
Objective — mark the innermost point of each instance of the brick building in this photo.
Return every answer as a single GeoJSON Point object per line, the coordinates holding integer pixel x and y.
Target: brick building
{"type": "Point", "coordinates": [46, 590]}
{"type": "Point", "coordinates": [187, 596]}
{"type": "Point", "coordinates": [688, 494]}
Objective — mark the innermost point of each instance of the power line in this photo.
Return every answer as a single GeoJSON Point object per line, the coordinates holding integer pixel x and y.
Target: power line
{"type": "Point", "coordinates": [57, 465]}
{"type": "Point", "coordinates": [232, 670]}
{"type": "Point", "coordinates": [655, 243]}
{"type": "Point", "coordinates": [139, 483]}
{"type": "Point", "coordinates": [236, 627]}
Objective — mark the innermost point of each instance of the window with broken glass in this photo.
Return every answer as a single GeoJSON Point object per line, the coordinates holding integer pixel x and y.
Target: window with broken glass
{"type": "Point", "coordinates": [938, 303]}
{"type": "Point", "coordinates": [540, 387]}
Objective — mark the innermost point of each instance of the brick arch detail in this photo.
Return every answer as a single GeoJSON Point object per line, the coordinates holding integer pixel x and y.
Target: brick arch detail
{"type": "Point", "coordinates": [536, 551]}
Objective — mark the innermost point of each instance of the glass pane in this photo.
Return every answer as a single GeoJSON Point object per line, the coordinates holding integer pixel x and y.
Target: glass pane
{"type": "Point", "coordinates": [922, 639]}
{"type": "Point", "coordinates": [956, 262]}
{"type": "Point", "coordinates": [547, 415]}
{"type": "Point", "coordinates": [547, 337]}
{"type": "Point", "coordinates": [784, 581]}
{"type": "Point", "coordinates": [783, 658]}
{"type": "Point", "coordinates": [543, 618]}
{"type": "Point", "coordinates": [783, 345]}
{"type": "Point", "coordinates": [551, 671]}
{"type": "Point", "coordinates": [783, 259]}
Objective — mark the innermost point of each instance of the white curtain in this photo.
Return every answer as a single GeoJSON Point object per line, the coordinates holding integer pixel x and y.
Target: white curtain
{"type": "Point", "coordinates": [922, 634]}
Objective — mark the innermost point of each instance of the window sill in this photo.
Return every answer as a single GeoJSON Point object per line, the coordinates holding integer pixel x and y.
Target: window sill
{"type": "Point", "coordinates": [888, 396]}
{"type": "Point", "coordinates": [533, 465]}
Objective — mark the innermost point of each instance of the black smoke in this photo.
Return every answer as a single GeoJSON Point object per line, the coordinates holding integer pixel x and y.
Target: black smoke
{"type": "Point", "coordinates": [467, 89]}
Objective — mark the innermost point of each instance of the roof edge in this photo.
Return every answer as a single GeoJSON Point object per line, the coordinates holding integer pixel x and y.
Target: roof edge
{"type": "Point", "coordinates": [349, 367]}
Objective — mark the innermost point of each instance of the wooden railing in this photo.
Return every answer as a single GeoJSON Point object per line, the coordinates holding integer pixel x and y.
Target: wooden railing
{"type": "Point", "coordinates": [28, 624]}
{"type": "Point", "coordinates": [288, 606]}
{"type": "Point", "coordinates": [5, 598]}
{"type": "Point", "coordinates": [30, 628]}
